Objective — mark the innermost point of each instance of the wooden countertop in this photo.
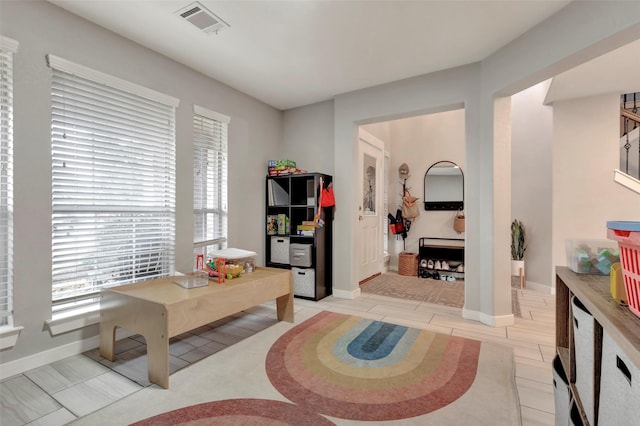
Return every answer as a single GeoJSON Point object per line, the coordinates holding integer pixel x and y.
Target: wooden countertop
{"type": "Point", "coordinates": [618, 321]}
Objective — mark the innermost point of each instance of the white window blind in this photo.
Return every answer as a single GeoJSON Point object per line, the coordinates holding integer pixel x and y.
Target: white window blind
{"type": "Point", "coordinates": [209, 180]}
{"type": "Point", "coordinates": [113, 185]}
{"type": "Point", "coordinates": [7, 48]}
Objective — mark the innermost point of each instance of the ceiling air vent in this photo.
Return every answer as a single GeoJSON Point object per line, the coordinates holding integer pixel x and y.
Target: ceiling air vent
{"type": "Point", "coordinates": [202, 18]}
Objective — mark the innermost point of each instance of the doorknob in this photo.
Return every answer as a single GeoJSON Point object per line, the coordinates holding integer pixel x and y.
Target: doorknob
{"type": "Point", "coordinates": [360, 217]}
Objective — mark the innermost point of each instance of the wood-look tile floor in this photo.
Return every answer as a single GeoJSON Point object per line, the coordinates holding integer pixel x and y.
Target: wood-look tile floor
{"type": "Point", "coordinates": [60, 392]}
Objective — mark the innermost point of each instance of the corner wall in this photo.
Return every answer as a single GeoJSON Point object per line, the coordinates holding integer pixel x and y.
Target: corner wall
{"type": "Point", "coordinates": [532, 180]}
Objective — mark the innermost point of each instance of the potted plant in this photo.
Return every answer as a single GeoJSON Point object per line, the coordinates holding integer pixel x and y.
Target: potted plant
{"type": "Point", "coordinates": [518, 247]}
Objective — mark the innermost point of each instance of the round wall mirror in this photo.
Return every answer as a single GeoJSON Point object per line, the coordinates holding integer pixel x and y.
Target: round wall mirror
{"type": "Point", "coordinates": [444, 187]}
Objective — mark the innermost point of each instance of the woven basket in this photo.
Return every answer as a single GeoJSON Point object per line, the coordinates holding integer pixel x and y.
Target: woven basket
{"type": "Point", "coordinates": [458, 222]}
{"type": "Point", "coordinates": [408, 264]}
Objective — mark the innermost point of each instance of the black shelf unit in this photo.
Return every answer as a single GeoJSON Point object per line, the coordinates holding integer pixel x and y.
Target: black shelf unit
{"type": "Point", "coordinates": [428, 249]}
{"type": "Point", "coordinates": [297, 197]}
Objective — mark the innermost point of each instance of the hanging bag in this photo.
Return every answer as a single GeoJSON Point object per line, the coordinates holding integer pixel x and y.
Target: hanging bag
{"type": "Point", "coordinates": [458, 222]}
{"type": "Point", "coordinates": [410, 208]}
{"type": "Point", "coordinates": [328, 199]}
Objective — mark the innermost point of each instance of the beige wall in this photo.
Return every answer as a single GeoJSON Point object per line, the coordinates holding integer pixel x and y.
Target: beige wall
{"type": "Point", "coordinates": [531, 180]}
{"type": "Point", "coordinates": [420, 142]}
{"type": "Point", "coordinates": [585, 152]}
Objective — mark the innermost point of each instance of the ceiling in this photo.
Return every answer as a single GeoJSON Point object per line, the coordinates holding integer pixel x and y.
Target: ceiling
{"type": "Point", "coordinates": [293, 53]}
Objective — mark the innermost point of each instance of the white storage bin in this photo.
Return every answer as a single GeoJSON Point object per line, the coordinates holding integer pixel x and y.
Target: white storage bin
{"type": "Point", "coordinates": [304, 282]}
{"type": "Point", "coordinates": [280, 250]}
{"type": "Point", "coordinates": [619, 387]}
{"type": "Point", "coordinates": [300, 254]}
{"type": "Point", "coordinates": [561, 394]}
{"type": "Point", "coordinates": [583, 332]}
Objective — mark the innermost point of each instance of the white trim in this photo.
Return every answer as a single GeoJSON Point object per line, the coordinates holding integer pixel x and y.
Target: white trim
{"type": "Point", "coordinates": [40, 359]}
{"type": "Point", "coordinates": [626, 180]}
{"type": "Point", "coordinates": [211, 114]}
{"type": "Point", "coordinates": [9, 336]}
{"type": "Point", "coordinates": [491, 320]}
{"type": "Point", "coordinates": [532, 285]}
{"type": "Point", "coordinates": [64, 65]}
{"type": "Point", "coordinates": [343, 294]}
{"type": "Point", "coordinates": [8, 44]}
{"type": "Point", "coordinates": [73, 322]}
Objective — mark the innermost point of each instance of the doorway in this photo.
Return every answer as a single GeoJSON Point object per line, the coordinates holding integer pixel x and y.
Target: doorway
{"type": "Point", "coordinates": [418, 141]}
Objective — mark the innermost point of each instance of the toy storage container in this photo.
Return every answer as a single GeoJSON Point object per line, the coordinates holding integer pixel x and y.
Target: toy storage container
{"type": "Point", "coordinates": [627, 234]}
{"type": "Point", "coordinates": [235, 259]}
{"type": "Point", "coordinates": [300, 254]}
{"type": "Point", "coordinates": [280, 250]}
{"type": "Point", "coordinates": [304, 282]}
{"type": "Point", "coordinates": [619, 387]}
{"type": "Point", "coordinates": [591, 256]}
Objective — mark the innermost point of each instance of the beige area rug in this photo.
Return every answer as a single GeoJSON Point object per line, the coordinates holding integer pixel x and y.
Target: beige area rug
{"type": "Point", "coordinates": [330, 368]}
{"type": "Point", "coordinates": [447, 293]}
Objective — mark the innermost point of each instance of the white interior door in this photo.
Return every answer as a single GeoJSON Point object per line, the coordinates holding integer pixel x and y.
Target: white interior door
{"type": "Point", "coordinates": [370, 205]}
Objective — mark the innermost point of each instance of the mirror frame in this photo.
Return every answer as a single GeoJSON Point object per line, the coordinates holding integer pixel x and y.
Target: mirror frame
{"type": "Point", "coordinates": [443, 205]}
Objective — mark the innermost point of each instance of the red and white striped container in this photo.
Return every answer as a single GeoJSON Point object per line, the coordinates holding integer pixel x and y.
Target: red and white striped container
{"type": "Point", "coordinates": [627, 234]}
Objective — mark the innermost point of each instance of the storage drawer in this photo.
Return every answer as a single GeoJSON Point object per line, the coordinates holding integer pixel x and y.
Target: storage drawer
{"type": "Point", "coordinates": [304, 282]}
{"type": "Point", "coordinates": [300, 254]}
{"type": "Point", "coordinates": [583, 332]}
{"type": "Point", "coordinates": [561, 394]}
{"type": "Point", "coordinates": [619, 387]}
{"type": "Point", "coordinates": [280, 250]}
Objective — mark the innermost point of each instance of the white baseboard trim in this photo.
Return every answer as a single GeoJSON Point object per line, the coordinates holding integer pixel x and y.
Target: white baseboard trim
{"type": "Point", "coordinates": [532, 285]}
{"type": "Point", "coordinates": [343, 294]}
{"type": "Point", "coordinates": [40, 359]}
{"type": "Point", "coordinates": [491, 320]}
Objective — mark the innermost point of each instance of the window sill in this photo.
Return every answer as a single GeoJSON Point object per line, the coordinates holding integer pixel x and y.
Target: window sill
{"type": "Point", "coordinates": [9, 336]}
{"type": "Point", "coordinates": [74, 320]}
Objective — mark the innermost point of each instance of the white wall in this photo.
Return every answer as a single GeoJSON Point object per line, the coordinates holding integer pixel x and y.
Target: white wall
{"type": "Point", "coordinates": [254, 136]}
{"type": "Point", "coordinates": [531, 179]}
{"type": "Point", "coordinates": [585, 152]}
{"type": "Point", "coordinates": [420, 142]}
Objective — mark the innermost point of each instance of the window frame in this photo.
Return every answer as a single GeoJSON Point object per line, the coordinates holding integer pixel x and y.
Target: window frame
{"type": "Point", "coordinates": [8, 48]}
{"type": "Point", "coordinates": [210, 139]}
{"type": "Point", "coordinates": [105, 143]}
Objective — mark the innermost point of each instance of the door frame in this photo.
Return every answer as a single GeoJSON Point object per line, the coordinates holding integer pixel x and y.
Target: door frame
{"type": "Point", "coordinates": [378, 146]}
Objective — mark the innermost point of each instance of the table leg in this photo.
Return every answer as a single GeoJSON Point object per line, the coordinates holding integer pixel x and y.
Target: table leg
{"type": "Point", "coordinates": [522, 279]}
{"type": "Point", "coordinates": [107, 340]}
{"type": "Point", "coordinates": [284, 304]}
{"type": "Point", "coordinates": [158, 359]}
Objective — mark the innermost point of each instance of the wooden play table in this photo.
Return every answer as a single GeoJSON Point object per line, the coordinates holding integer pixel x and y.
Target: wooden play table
{"type": "Point", "coordinates": [160, 309]}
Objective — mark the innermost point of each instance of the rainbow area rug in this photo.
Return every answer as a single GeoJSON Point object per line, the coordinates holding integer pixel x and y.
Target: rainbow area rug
{"type": "Point", "coordinates": [338, 369]}
{"type": "Point", "coordinates": [359, 369]}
